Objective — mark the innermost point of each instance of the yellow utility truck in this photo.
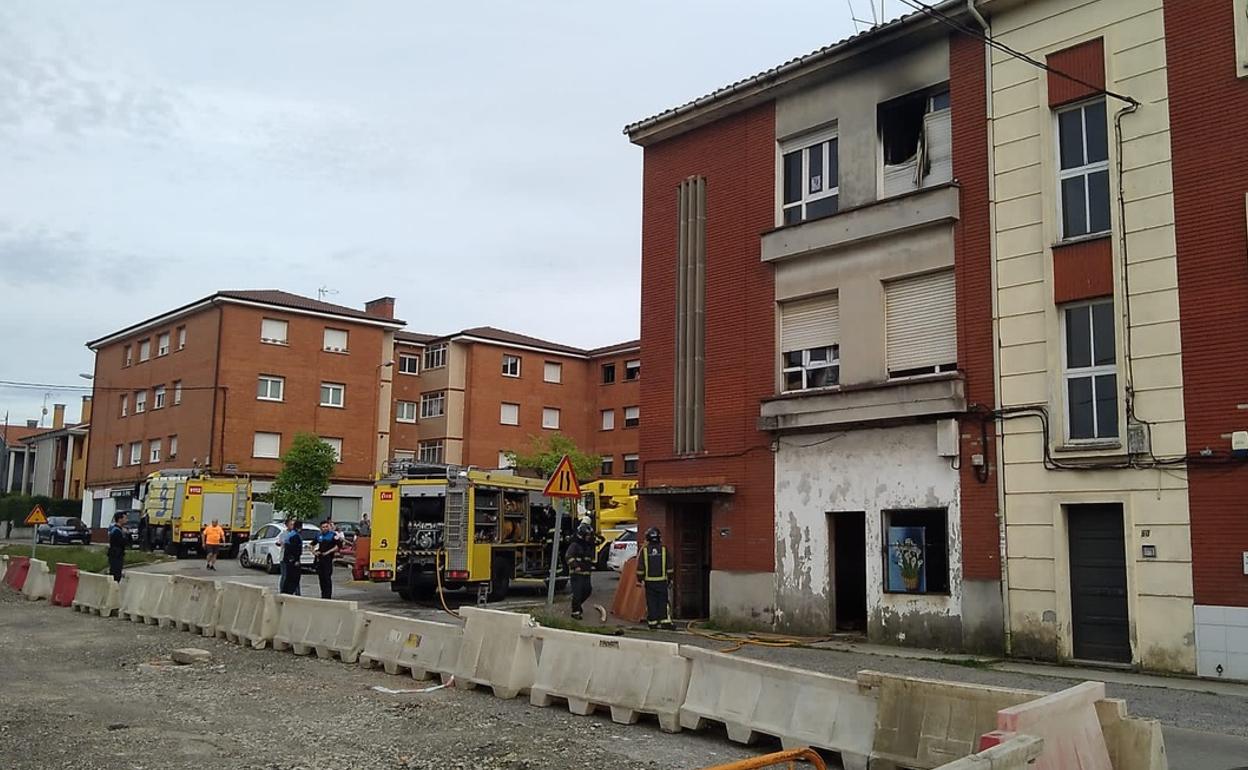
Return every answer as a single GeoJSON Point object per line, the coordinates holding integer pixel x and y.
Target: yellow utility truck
{"type": "Point", "coordinates": [179, 504]}
{"type": "Point", "coordinates": [461, 528]}
{"type": "Point", "coordinates": [612, 506]}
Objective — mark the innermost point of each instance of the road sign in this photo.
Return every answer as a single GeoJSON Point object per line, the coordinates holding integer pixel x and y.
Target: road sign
{"type": "Point", "coordinates": [563, 481]}
{"type": "Point", "coordinates": [36, 517]}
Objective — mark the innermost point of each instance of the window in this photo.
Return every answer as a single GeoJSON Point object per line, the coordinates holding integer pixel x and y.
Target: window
{"type": "Point", "coordinates": [810, 335]}
{"type": "Point", "coordinates": [550, 418]}
{"type": "Point", "coordinates": [430, 451]}
{"type": "Point", "coordinates": [266, 445]}
{"type": "Point", "coordinates": [153, 451]}
{"type": "Point", "coordinates": [916, 553]}
{"type": "Point", "coordinates": [632, 416]}
{"type": "Point", "coordinates": [136, 452]}
{"type": "Point", "coordinates": [181, 337]}
{"type": "Point", "coordinates": [336, 445]}
{"type": "Point", "coordinates": [173, 447]}
{"type": "Point", "coordinates": [608, 374]}
{"type": "Point", "coordinates": [632, 370]}
{"type": "Point", "coordinates": [504, 459]}
{"type": "Point", "coordinates": [162, 344]}
{"type": "Point", "coordinates": [140, 401]}
{"type": "Point", "coordinates": [432, 404]}
{"type": "Point", "coordinates": [916, 141]}
{"type": "Point", "coordinates": [810, 178]}
{"type": "Point", "coordinates": [1083, 177]}
{"type": "Point", "coordinates": [158, 397]}
{"type": "Point", "coordinates": [177, 392]}
{"type": "Point", "coordinates": [630, 464]}
{"type": "Point", "coordinates": [511, 366]}
{"type": "Point", "coordinates": [120, 458]}
{"type": "Point", "coordinates": [553, 372]}
{"type": "Point", "coordinates": [270, 388]}
{"type": "Point", "coordinates": [125, 404]}
{"type": "Point", "coordinates": [435, 356]}
{"type": "Point", "coordinates": [920, 325]}
{"type": "Point", "coordinates": [509, 414]}
{"type": "Point", "coordinates": [335, 340]}
{"type": "Point", "coordinates": [1091, 371]}
{"type": "Point", "coordinates": [405, 411]}
{"type": "Point", "coordinates": [409, 364]}
{"type": "Point", "coordinates": [126, 359]}
{"type": "Point", "coordinates": [404, 455]}
{"type": "Point", "coordinates": [333, 394]}
{"type": "Point", "coordinates": [608, 419]}
{"type": "Point", "coordinates": [145, 350]}
{"type": "Point", "coordinates": [608, 466]}
{"type": "Point", "coordinates": [273, 331]}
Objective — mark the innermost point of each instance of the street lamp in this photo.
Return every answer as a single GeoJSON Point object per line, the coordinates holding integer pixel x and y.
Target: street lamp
{"type": "Point", "coordinates": [87, 376]}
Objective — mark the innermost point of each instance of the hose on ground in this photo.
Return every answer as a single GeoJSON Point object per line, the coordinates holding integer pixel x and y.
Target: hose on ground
{"type": "Point", "coordinates": [738, 641]}
{"type": "Point", "coordinates": [437, 571]}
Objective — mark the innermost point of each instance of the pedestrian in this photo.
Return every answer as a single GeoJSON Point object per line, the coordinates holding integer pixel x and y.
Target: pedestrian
{"type": "Point", "coordinates": [327, 544]}
{"type": "Point", "coordinates": [654, 571]}
{"type": "Point", "coordinates": [366, 526]}
{"type": "Point", "coordinates": [118, 540]}
{"type": "Point", "coordinates": [214, 536]}
{"type": "Point", "coordinates": [580, 559]}
{"type": "Point", "coordinates": [8, 529]}
{"type": "Point", "coordinates": [292, 553]}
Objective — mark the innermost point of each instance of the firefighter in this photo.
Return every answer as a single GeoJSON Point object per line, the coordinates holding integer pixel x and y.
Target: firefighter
{"type": "Point", "coordinates": [580, 559]}
{"type": "Point", "coordinates": [654, 571]}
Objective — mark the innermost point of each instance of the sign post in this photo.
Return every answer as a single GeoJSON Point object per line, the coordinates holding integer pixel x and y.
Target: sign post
{"type": "Point", "coordinates": [33, 520]}
{"type": "Point", "coordinates": [563, 484]}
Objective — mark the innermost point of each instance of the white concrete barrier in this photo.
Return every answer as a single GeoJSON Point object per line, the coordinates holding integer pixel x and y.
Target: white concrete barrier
{"type": "Point", "coordinates": [1018, 753]}
{"type": "Point", "coordinates": [801, 708]}
{"type": "Point", "coordinates": [629, 676]}
{"type": "Point", "coordinates": [141, 593]}
{"type": "Point", "coordinates": [1068, 722]}
{"type": "Point", "coordinates": [1133, 743]}
{"type": "Point", "coordinates": [327, 626]}
{"type": "Point", "coordinates": [38, 583]}
{"type": "Point", "coordinates": [247, 614]}
{"type": "Point", "coordinates": [97, 594]}
{"type": "Point", "coordinates": [497, 652]}
{"type": "Point", "coordinates": [422, 647]}
{"type": "Point", "coordinates": [189, 604]}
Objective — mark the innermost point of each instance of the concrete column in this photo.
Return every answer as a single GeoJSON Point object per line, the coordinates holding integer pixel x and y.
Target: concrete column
{"type": "Point", "coordinates": [69, 465]}
{"type": "Point", "coordinates": [26, 469]}
{"type": "Point", "coordinates": [12, 458]}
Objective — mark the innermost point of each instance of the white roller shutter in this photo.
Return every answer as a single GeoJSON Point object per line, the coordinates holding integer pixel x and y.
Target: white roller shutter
{"type": "Point", "coordinates": [938, 132]}
{"type": "Point", "coordinates": [810, 323]}
{"type": "Point", "coordinates": [920, 321]}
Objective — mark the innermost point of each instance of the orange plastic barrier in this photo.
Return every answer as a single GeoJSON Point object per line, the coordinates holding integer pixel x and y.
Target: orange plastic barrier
{"type": "Point", "coordinates": [359, 569]}
{"type": "Point", "coordinates": [65, 587]}
{"type": "Point", "coordinates": [630, 599]}
{"type": "Point", "coordinates": [15, 575]}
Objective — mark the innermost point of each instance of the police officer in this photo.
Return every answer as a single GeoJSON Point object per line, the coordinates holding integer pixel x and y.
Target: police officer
{"type": "Point", "coordinates": [118, 540]}
{"type": "Point", "coordinates": [580, 559]}
{"type": "Point", "coordinates": [292, 554]}
{"type": "Point", "coordinates": [654, 571]}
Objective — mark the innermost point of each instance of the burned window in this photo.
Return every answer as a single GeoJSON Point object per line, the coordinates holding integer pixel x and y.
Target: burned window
{"type": "Point", "coordinates": [916, 141]}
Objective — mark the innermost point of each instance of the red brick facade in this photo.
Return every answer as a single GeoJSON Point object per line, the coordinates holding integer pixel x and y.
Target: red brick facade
{"type": "Point", "coordinates": [1086, 62]}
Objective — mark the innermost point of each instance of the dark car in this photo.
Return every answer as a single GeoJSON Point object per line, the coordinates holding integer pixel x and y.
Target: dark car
{"type": "Point", "coordinates": [63, 529]}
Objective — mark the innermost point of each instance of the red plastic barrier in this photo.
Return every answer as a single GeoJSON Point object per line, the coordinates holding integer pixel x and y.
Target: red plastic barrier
{"type": "Point", "coordinates": [630, 598]}
{"type": "Point", "coordinates": [359, 570]}
{"type": "Point", "coordinates": [15, 575]}
{"type": "Point", "coordinates": [65, 587]}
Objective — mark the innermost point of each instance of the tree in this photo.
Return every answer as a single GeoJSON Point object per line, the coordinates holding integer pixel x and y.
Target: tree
{"type": "Point", "coordinates": [545, 452]}
{"type": "Point", "coordinates": [304, 477]}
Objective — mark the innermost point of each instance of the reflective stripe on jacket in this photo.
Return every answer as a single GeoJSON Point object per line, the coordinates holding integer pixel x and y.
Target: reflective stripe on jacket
{"type": "Point", "coordinates": [653, 563]}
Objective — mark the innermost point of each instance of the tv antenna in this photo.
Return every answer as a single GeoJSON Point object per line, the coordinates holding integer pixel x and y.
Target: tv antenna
{"type": "Point", "coordinates": [324, 292]}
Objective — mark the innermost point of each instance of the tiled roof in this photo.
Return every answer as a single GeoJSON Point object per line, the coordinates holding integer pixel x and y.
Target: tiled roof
{"type": "Point", "coordinates": [617, 348]}
{"type": "Point", "coordinates": [419, 339]}
{"type": "Point", "coordinates": [12, 434]}
{"type": "Point", "coordinates": [504, 336]}
{"type": "Point", "coordinates": [286, 299]}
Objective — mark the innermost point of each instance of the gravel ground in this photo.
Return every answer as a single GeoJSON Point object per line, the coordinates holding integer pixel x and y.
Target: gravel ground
{"type": "Point", "coordinates": [81, 692]}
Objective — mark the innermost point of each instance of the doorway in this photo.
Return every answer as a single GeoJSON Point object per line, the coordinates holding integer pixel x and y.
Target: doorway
{"type": "Point", "coordinates": [691, 552]}
{"type": "Point", "coordinates": [848, 535]}
{"type": "Point", "coordinates": [1098, 583]}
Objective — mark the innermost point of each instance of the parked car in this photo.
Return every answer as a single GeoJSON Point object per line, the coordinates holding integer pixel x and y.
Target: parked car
{"type": "Point", "coordinates": [262, 551]}
{"type": "Point", "coordinates": [350, 530]}
{"type": "Point", "coordinates": [63, 529]}
{"type": "Point", "coordinates": [623, 548]}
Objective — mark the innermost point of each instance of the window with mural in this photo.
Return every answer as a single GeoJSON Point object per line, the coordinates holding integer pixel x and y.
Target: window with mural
{"type": "Point", "coordinates": [916, 551]}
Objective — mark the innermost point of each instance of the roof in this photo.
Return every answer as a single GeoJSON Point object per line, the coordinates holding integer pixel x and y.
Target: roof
{"type": "Point", "coordinates": [621, 347]}
{"type": "Point", "coordinates": [414, 337]}
{"type": "Point", "coordinates": [512, 338]}
{"type": "Point", "coordinates": [41, 434]}
{"type": "Point", "coordinates": [12, 434]}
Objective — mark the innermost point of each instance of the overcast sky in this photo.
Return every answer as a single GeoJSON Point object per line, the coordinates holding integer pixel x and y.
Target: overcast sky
{"type": "Point", "coordinates": [465, 158]}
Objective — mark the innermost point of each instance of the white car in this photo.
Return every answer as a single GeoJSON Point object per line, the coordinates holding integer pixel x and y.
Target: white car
{"type": "Point", "coordinates": [622, 548]}
{"type": "Point", "coordinates": [262, 550]}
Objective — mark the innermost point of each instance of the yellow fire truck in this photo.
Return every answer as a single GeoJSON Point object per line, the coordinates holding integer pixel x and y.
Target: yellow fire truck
{"type": "Point", "coordinates": [179, 504]}
{"type": "Point", "coordinates": [461, 527]}
{"type": "Point", "coordinates": [611, 504]}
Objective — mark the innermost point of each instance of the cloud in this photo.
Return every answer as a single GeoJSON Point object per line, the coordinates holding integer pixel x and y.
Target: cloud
{"type": "Point", "coordinates": [39, 258]}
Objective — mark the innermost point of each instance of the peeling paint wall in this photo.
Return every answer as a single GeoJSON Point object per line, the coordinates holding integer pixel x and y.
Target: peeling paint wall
{"type": "Point", "coordinates": [870, 471]}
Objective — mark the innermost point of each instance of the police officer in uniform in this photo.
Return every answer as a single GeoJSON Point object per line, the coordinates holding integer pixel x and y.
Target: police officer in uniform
{"type": "Point", "coordinates": [654, 571]}
{"type": "Point", "coordinates": [580, 559]}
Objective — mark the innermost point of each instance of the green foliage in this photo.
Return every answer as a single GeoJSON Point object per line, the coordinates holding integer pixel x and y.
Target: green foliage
{"type": "Point", "coordinates": [16, 508]}
{"type": "Point", "coordinates": [545, 452]}
{"type": "Point", "coordinates": [306, 468]}
{"type": "Point", "coordinates": [92, 558]}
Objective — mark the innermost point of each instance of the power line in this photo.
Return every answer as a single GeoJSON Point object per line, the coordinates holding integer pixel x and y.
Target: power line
{"type": "Point", "coordinates": [38, 386]}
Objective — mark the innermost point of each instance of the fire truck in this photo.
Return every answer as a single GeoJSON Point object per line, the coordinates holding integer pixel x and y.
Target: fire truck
{"type": "Point", "coordinates": [462, 528]}
{"type": "Point", "coordinates": [612, 506]}
{"type": "Point", "coordinates": [179, 504]}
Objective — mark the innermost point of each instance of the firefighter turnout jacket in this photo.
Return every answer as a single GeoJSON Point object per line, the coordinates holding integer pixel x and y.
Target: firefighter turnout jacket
{"type": "Point", "coordinates": [580, 557]}
{"type": "Point", "coordinates": [653, 563]}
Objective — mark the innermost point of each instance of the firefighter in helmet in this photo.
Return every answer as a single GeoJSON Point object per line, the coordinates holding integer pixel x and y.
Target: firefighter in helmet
{"type": "Point", "coordinates": [654, 571]}
{"type": "Point", "coordinates": [580, 559]}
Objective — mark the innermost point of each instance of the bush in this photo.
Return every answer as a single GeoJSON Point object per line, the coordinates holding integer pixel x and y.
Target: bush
{"type": "Point", "coordinates": [16, 508]}
{"type": "Point", "coordinates": [88, 558]}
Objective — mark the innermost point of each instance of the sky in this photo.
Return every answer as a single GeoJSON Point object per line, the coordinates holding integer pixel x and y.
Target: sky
{"type": "Point", "coordinates": [465, 158]}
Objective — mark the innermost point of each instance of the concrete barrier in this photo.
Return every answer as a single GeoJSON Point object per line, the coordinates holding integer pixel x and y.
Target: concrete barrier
{"type": "Point", "coordinates": [38, 583]}
{"type": "Point", "coordinates": [15, 572]}
{"type": "Point", "coordinates": [801, 708]}
{"type": "Point", "coordinates": [97, 594]}
{"type": "Point", "coordinates": [64, 585]}
{"type": "Point", "coordinates": [925, 723]}
{"type": "Point", "coordinates": [247, 614]}
{"type": "Point", "coordinates": [327, 626]}
{"type": "Point", "coordinates": [497, 652]}
{"type": "Point", "coordinates": [1133, 743]}
{"type": "Point", "coordinates": [189, 604]}
{"type": "Point", "coordinates": [1068, 722]}
{"type": "Point", "coordinates": [629, 676]}
{"type": "Point", "coordinates": [141, 594]}
{"type": "Point", "coordinates": [1017, 752]}
{"type": "Point", "coordinates": [421, 647]}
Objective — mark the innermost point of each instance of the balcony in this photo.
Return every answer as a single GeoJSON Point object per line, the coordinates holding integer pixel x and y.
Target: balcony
{"type": "Point", "coordinates": [865, 406]}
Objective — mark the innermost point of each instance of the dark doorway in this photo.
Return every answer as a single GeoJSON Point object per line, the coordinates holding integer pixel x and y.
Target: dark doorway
{"type": "Point", "coordinates": [1098, 583]}
{"type": "Point", "coordinates": [691, 550]}
{"type": "Point", "coordinates": [848, 532]}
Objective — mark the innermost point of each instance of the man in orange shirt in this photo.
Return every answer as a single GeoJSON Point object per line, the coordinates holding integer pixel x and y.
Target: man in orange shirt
{"type": "Point", "coordinates": [214, 536]}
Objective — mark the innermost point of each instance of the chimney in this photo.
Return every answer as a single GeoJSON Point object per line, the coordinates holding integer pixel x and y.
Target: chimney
{"type": "Point", "coordinates": [58, 416]}
{"type": "Point", "coordinates": [86, 410]}
{"type": "Point", "coordinates": [382, 307]}
{"type": "Point", "coordinates": [32, 423]}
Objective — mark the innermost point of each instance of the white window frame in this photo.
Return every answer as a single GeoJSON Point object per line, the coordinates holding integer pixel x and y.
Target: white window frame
{"type": "Point", "coordinates": [285, 326]}
{"type": "Point", "coordinates": [140, 401]}
{"type": "Point", "coordinates": [335, 444]}
{"type": "Point", "coordinates": [331, 388]}
{"type": "Point", "coordinates": [552, 366]}
{"type": "Point", "coordinates": [602, 373]}
{"type": "Point", "coordinates": [547, 413]}
{"type": "Point", "coordinates": [511, 365]}
{"type": "Point", "coordinates": [606, 465]}
{"type": "Point", "coordinates": [335, 348]}
{"type": "Point", "coordinates": [608, 419]}
{"type": "Point", "coordinates": [827, 138]}
{"type": "Point", "coordinates": [125, 404]}
{"type": "Point", "coordinates": [811, 364]}
{"type": "Point", "coordinates": [136, 452]}
{"type": "Point", "coordinates": [268, 380]}
{"type": "Point", "coordinates": [407, 357]}
{"type": "Point", "coordinates": [1086, 170]}
{"type": "Point", "coordinates": [127, 356]}
{"type": "Point", "coordinates": [173, 446]}
{"type": "Point", "coordinates": [432, 451]}
{"type": "Point", "coordinates": [120, 456]}
{"type": "Point", "coordinates": [404, 455]}
{"type": "Point", "coordinates": [153, 450]}
{"type": "Point", "coordinates": [162, 344]}
{"type": "Point", "coordinates": [635, 460]}
{"type": "Point", "coordinates": [428, 410]}
{"type": "Point", "coordinates": [405, 411]}
{"type": "Point", "coordinates": [181, 337]}
{"type": "Point", "coordinates": [632, 370]}
{"type": "Point", "coordinates": [632, 416]}
{"type": "Point", "coordinates": [1091, 372]}
{"type": "Point", "coordinates": [158, 397]}
{"type": "Point", "coordinates": [145, 350]}
{"type": "Point", "coordinates": [502, 413]}
{"type": "Point", "coordinates": [177, 392]}
{"type": "Point", "coordinates": [435, 356]}
{"type": "Point", "coordinates": [255, 449]}
{"type": "Point", "coordinates": [504, 460]}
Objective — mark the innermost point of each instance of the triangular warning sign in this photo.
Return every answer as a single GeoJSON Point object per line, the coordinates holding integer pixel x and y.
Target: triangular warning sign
{"type": "Point", "coordinates": [563, 481]}
{"type": "Point", "coordinates": [36, 516]}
